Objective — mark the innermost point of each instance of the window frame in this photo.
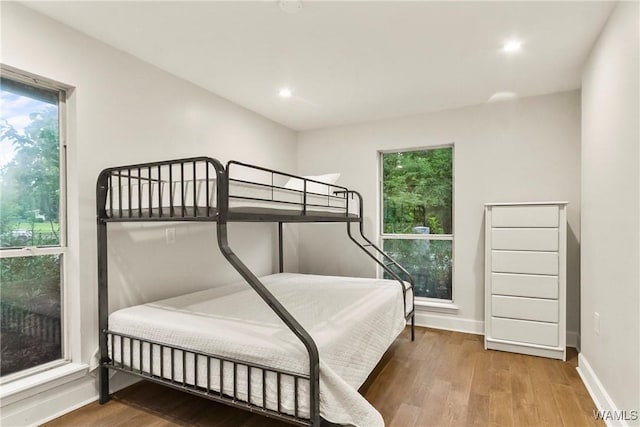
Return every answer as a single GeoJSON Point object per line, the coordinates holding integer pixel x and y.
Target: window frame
{"type": "Point", "coordinates": [61, 249]}
{"type": "Point", "coordinates": [382, 236]}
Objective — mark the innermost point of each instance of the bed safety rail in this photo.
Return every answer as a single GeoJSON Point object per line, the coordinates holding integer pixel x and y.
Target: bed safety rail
{"type": "Point", "coordinates": [256, 186]}
{"type": "Point", "coordinates": [268, 391]}
{"type": "Point", "coordinates": [174, 190]}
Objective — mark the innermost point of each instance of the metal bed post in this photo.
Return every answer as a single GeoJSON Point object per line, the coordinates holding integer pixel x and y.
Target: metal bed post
{"type": "Point", "coordinates": [280, 249]}
{"type": "Point", "coordinates": [268, 297]}
{"type": "Point", "coordinates": [103, 296]}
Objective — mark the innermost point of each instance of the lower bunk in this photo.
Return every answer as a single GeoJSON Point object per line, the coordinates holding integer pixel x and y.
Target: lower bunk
{"type": "Point", "coordinates": [227, 345]}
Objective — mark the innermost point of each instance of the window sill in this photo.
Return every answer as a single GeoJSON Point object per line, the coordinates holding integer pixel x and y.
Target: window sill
{"type": "Point", "coordinates": [38, 383]}
{"type": "Point", "coordinates": [438, 307]}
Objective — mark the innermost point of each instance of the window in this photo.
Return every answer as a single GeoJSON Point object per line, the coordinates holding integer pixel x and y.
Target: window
{"type": "Point", "coordinates": [32, 226]}
{"type": "Point", "coordinates": [417, 216]}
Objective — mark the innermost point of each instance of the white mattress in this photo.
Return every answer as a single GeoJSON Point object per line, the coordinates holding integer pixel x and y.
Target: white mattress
{"type": "Point", "coordinates": [260, 196]}
{"type": "Point", "coordinates": [353, 321]}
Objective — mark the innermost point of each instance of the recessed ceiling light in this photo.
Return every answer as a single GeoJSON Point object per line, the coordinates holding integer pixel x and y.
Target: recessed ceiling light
{"type": "Point", "coordinates": [512, 46]}
{"type": "Point", "coordinates": [291, 6]}
{"type": "Point", "coordinates": [285, 92]}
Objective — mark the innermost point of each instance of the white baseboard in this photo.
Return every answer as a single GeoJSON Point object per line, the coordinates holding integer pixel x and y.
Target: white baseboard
{"type": "Point", "coordinates": [43, 407]}
{"type": "Point", "coordinates": [470, 326]}
{"type": "Point", "coordinates": [597, 391]}
{"type": "Point", "coordinates": [449, 323]}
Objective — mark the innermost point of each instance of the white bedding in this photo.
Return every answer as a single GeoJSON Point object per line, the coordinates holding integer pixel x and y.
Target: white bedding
{"type": "Point", "coordinates": [353, 321]}
{"type": "Point", "coordinates": [162, 194]}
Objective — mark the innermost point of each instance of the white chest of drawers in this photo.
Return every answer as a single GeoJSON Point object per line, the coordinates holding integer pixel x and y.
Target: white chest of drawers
{"type": "Point", "coordinates": [525, 278]}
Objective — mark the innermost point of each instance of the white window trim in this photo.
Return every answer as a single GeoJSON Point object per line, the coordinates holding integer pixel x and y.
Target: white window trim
{"type": "Point", "coordinates": [436, 305]}
{"type": "Point", "coordinates": [42, 381]}
{"type": "Point", "coordinates": [32, 251]}
{"type": "Point", "coordinates": [417, 236]}
{"type": "Point", "coordinates": [423, 303]}
{"type": "Point", "coordinates": [37, 379]}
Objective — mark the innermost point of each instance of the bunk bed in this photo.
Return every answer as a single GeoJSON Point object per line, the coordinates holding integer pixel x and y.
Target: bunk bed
{"type": "Point", "coordinates": [256, 347]}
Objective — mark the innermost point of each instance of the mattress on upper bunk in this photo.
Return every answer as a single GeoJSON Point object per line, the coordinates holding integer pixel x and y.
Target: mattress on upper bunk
{"type": "Point", "coordinates": [246, 213]}
{"type": "Point", "coordinates": [197, 198]}
{"type": "Point", "coordinates": [352, 320]}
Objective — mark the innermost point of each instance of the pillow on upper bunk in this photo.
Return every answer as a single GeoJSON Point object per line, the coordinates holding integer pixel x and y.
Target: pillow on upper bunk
{"type": "Point", "coordinates": [313, 187]}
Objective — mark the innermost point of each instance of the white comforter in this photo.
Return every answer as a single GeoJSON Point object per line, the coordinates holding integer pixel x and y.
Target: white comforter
{"type": "Point", "coordinates": [353, 321]}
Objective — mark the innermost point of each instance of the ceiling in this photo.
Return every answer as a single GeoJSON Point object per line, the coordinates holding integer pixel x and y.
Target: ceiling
{"type": "Point", "coordinates": [349, 62]}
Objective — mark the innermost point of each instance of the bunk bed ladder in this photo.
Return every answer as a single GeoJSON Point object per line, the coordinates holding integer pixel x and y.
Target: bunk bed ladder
{"type": "Point", "coordinates": [383, 260]}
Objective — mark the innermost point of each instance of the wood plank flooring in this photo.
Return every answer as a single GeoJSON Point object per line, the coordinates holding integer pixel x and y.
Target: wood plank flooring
{"type": "Point", "coordinates": [442, 379]}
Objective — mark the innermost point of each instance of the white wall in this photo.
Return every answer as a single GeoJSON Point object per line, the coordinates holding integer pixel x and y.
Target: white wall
{"type": "Point", "coordinates": [521, 150]}
{"type": "Point", "coordinates": [610, 213]}
{"type": "Point", "coordinates": [123, 110]}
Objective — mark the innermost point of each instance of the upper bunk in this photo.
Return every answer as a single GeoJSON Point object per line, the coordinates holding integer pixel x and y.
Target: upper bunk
{"type": "Point", "coordinates": [202, 189]}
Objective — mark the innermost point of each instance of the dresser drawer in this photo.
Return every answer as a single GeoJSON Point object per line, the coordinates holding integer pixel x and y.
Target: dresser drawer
{"type": "Point", "coordinates": [524, 262]}
{"type": "Point", "coordinates": [525, 331]}
{"type": "Point", "coordinates": [525, 216]}
{"type": "Point", "coordinates": [542, 310]}
{"type": "Point", "coordinates": [524, 285]}
{"type": "Point", "coordinates": [525, 239]}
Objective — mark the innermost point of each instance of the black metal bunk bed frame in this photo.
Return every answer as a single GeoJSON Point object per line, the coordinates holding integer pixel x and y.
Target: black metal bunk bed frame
{"type": "Point", "coordinates": [139, 174]}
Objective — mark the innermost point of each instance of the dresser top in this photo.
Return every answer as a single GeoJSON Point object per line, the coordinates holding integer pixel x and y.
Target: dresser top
{"type": "Point", "coordinates": [525, 203]}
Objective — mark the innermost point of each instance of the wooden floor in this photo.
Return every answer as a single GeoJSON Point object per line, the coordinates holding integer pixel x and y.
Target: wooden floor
{"type": "Point", "coordinates": [442, 379]}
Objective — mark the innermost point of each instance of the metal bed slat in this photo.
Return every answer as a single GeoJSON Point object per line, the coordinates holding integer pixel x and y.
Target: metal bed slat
{"type": "Point", "coordinates": [184, 367]}
{"type": "Point", "coordinates": [150, 193]}
{"type": "Point", "coordinates": [208, 374]}
{"type": "Point", "coordinates": [139, 193]}
{"type": "Point", "coordinates": [249, 384]}
{"type": "Point", "coordinates": [129, 192]}
{"type": "Point", "coordinates": [130, 341]}
{"type": "Point", "coordinates": [206, 168]}
{"type": "Point", "coordinates": [295, 396]}
{"type": "Point", "coordinates": [182, 202]}
{"type": "Point", "coordinates": [235, 383]}
{"type": "Point", "coordinates": [195, 191]}
{"type": "Point", "coordinates": [171, 211]}
{"type": "Point", "coordinates": [195, 370]}
{"type": "Point", "coordinates": [162, 361]}
{"type": "Point", "coordinates": [160, 191]}
{"type": "Point", "coordinates": [278, 379]}
{"type": "Point", "coordinates": [110, 189]}
{"type": "Point", "coordinates": [171, 359]}
{"type": "Point", "coordinates": [221, 366]}
{"type": "Point", "coordinates": [119, 196]}
{"type": "Point", "coordinates": [264, 389]}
